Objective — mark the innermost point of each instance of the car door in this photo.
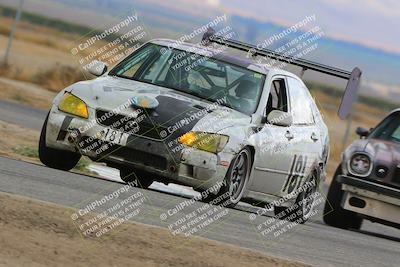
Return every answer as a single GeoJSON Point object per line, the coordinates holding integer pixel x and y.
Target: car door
{"type": "Point", "coordinates": [272, 161]}
{"type": "Point", "coordinates": [308, 144]}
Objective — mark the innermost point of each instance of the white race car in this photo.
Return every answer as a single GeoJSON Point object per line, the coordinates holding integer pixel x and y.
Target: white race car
{"type": "Point", "coordinates": [193, 115]}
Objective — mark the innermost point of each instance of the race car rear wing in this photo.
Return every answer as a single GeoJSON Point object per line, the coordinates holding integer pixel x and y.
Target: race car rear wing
{"type": "Point", "coordinates": [353, 77]}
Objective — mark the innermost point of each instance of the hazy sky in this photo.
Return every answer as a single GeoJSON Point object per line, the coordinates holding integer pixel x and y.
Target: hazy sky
{"type": "Point", "coordinates": [375, 23]}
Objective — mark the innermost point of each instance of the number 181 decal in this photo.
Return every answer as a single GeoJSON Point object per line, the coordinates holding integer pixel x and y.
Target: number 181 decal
{"type": "Point", "coordinates": [297, 172]}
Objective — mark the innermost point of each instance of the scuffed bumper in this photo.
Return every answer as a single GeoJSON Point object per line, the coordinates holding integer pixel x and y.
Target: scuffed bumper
{"type": "Point", "coordinates": [371, 199]}
{"type": "Point", "coordinates": [190, 167]}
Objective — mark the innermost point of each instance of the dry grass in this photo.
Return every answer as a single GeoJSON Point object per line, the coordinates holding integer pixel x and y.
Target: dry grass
{"type": "Point", "coordinates": [27, 59]}
{"type": "Point", "coordinates": [15, 138]}
{"type": "Point", "coordinates": [25, 93]}
{"type": "Point", "coordinates": [54, 79]}
{"type": "Point", "coordinates": [58, 77]}
{"type": "Point", "coordinates": [41, 55]}
{"type": "Point", "coordinates": [21, 143]}
{"type": "Point", "coordinates": [37, 51]}
{"type": "Point", "coordinates": [364, 116]}
{"type": "Point", "coordinates": [38, 34]}
{"type": "Point", "coordinates": [13, 72]}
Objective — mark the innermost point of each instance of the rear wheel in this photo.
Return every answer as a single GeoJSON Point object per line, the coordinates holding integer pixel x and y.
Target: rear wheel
{"type": "Point", "coordinates": [235, 181]}
{"type": "Point", "coordinates": [304, 205]}
{"type": "Point", "coordinates": [55, 158]}
{"type": "Point", "coordinates": [334, 215]}
{"type": "Point", "coordinates": [138, 178]}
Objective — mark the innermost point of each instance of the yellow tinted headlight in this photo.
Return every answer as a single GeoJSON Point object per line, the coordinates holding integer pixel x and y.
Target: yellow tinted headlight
{"type": "Point", "coordinates": [204, 141]}
{"type": "Point", "coordinates": [73, 105]}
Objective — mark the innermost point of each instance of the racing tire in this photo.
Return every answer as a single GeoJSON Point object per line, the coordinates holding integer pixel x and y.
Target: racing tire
{"type": "Point", "coordinates": [334, 215]}
{"type": "Point", "coordinates": [304, 205]}
{"type": "Point", "coordinates": [234, 183]}
{"type": "Point", "coordinates": [137, 178]}
{"type": "Point", "coordinates": [55, 158]}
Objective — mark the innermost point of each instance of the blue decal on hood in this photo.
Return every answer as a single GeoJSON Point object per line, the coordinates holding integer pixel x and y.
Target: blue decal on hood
{"type": "Point", "coordinates": [144, 101]}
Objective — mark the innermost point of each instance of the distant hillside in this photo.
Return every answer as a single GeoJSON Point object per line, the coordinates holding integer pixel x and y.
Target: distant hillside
{"type": "Point", "coordinates": [57, 24]}
{"type": "Point", "coordinates": [167, 18]}
{"type": "Point", "coordinates": [380, 69]}
{"type": "Point", "coordinates": [377, 65]}
{"type": "Point", "coordinates": [384, 105]}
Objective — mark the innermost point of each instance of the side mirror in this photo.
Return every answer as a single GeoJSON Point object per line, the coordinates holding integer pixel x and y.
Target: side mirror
{"type": "Point", "coordinates": [362, 132]}
{"type": "Point", "coordinates": [280, 118]}
{"type": "Point", "coordinates": [97, 68]}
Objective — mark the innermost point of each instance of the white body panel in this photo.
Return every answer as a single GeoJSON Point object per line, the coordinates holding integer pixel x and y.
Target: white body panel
{"type": "Point", "coordinates": [274, 173]}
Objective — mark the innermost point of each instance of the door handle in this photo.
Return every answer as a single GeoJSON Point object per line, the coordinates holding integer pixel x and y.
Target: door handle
{"type": "Point", "coordinates": [289, 135]}
{"type": "Point", "coordinates": [314, 137]}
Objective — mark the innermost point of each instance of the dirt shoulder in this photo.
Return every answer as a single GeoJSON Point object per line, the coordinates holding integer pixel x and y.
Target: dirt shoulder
{"type": "Point", "coordinates": [21, 143]}
{"type": "Point", "coordinates": [34, 233]}
{"type": "Point", "coordinates": [25, 93]}
{"type": "Point", "coordinates": [18, 142]}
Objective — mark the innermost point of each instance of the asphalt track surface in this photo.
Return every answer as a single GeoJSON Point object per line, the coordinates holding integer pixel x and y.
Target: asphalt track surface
{"type": "Point", "coordinates": [313, 243]}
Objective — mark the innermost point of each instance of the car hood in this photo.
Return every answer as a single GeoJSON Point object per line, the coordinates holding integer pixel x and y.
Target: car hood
{"type": "Point", "coordinates": [383, 151]}
{"type": "Point", "coordinates": [175, 109]}
{"type": "Point", "coordinates": [380, 150]}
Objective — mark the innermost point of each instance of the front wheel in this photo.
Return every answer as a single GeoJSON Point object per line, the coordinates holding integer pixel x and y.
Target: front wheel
{"type": "Point", "coordinates": [334, 215]}
{"type": "Point", "coordinates": [55, 158]}
{"type": "Point", "coordinates": [235, 180]}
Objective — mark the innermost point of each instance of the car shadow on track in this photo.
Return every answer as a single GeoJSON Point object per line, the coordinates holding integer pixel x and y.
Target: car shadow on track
{"type": "Point", "coordinates": [369, 232]}
{"type": "Point", "coordinates": [384, 236]}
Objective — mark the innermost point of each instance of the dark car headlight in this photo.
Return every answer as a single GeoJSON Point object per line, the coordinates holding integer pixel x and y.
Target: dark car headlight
{"type": "Point", "coordinates": [360, 165]}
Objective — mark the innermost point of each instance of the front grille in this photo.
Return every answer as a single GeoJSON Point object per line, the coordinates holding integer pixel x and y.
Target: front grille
{"type": "Point", "coordinates": [104, 149]}
{"type": "Point", "coordinates": [139, 126]}
{"type": "Point", "coordinates": [92, 145]}
{"type": "Point", "coordinates": [136, 156]}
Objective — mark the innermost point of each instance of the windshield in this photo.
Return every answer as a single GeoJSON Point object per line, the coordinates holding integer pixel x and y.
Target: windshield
{"type": "Point", "coordinates": [198, 75]}
{"type": "Point", "coordinates": [389, 129]}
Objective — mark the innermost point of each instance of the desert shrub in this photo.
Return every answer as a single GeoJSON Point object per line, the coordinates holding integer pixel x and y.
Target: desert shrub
{"type": "Point", "coordinates": [334, 92]}
{"type": "Point", "coordinates": [58, 77]}
{"type": "Point", "coordinates": [4, 30]}
{"type": "Point", "coordinates": [12, 72]}
{"type": "Point", "coordinates": [83, 164]}
{"type": "Point", "coordinates": [26, 151]}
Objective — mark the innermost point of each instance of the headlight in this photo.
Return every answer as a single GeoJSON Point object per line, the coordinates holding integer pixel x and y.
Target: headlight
{"type": "Point", "coordinates": [73, 105]}
{"type": "Point", "coordinates": [360, 165]}
{"type": "Point", "coordinates": [204, 141]}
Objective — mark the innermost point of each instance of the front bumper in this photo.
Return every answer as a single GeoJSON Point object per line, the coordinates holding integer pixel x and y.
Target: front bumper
{"type": "Point", "coordinates": [371, 199]}
{"type": "Point", "coordinates": [195, 168]}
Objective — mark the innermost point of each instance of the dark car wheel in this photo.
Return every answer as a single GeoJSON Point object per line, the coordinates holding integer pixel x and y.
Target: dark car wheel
{"type": "Point", "coordinates": [235, 181]}
{"type": "Point", "coordinates": [55, 158]}
{"type": "Point", "coordinates": [137, 178]}
{"type": "Point", "coordinates": [303, 208]}
{"type": "Point", "coordinates": [334, 215]}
